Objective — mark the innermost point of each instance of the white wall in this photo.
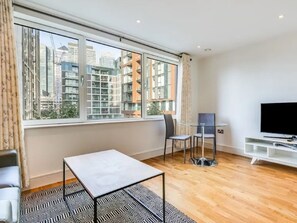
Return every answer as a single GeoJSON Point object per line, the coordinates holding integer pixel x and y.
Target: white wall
{"type": "Point", "coordinates": [46, 147]}
{"type": "Point", "coordinates": [234, 84]}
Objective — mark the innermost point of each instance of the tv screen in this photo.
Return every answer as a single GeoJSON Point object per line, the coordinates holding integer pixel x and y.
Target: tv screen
{"type": "Point", "coordinates": [279, 118]}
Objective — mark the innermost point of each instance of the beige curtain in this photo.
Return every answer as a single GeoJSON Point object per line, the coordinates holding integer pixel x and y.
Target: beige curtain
{"type": "Point", "coordinates": [185, 114]}
{"type": "Point", "coordinates": [11, 133]}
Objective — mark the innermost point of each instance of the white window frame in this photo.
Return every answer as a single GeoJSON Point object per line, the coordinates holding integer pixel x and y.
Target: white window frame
{"type": "Point", "coordinates": [81, 65]}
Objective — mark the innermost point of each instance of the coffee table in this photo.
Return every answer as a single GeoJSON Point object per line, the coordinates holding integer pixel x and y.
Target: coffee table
{"type": "Point", "coordinates": [106, 172]}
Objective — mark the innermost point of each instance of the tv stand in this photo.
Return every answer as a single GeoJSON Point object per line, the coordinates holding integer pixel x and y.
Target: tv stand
{"type": "Point", "coordinates": [276, 150]}
{"type": "Point", "coordinates": [290, 139]}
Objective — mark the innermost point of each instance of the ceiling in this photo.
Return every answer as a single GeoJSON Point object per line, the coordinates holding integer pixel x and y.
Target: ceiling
{"type": "Point", "coordinates": [181, 26]}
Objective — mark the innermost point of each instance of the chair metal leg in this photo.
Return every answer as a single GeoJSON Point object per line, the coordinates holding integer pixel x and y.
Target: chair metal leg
{"type": "Point", "coordinates": [172, 147]}
{"type": "Point", "coordinates": [185, 147]}
{"type": "Point", "coordinates": [165, 149]}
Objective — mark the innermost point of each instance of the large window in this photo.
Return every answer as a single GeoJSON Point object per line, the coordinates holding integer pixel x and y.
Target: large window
{"type": "Point", "coordinates": [48, 67]}
{"type": "Point", "coordinates": [67, 77]}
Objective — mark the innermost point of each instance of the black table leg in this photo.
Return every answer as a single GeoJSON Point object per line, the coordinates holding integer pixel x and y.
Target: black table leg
{"type": "Point", "coordinates": [161, 218]}
{"type": "Point", "coordinates": [95, 210]}
{"type": "Point", "coordinates": [163, 179]}
{"type": "Point", "coordinates": [64, 180]}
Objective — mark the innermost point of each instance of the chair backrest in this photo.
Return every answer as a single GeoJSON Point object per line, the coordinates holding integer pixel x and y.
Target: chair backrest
{"type": "Point", "coordinates": [169, 125]}
{"type": "Point", "coordinates": [209, 119]}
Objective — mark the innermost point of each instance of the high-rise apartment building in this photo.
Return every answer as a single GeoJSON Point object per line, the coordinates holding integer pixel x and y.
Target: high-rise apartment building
{"type": "Point", "coordinates": [72, 52]}
{"type": "Point", "coordinates": [61, 54]}
{"type": "Point", "coordinates": [28, 47]}
{"type": "Point", "coordinates": [107, 60]}
{"type": "Point", "coordinates": [161, 85]}
{"type": "Point", "coordinates": [47, 77]}
{"type": "Point", "coordinates": [103, 93]}
{"type": "Point", "coordinates": [70, 71]}
{"type": "Point", "coordinates": [131, 84]}
{"type": "Point", "coordinates": [70, 83]}
{"type": "Point", "coordinates": [90, 56]}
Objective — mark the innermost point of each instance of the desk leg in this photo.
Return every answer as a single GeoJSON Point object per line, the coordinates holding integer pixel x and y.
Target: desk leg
{"type": "Point", "coordinates": [191, 148]}
{"type": "Point", "coordinates": [95, 210]}
{"type": "Point", "coordinates": [185, 148]}
{"type": "Point", "coordinates": [202, 146]}
{"type": "Point", "coordinates": [64, 180]}
{"type": "Point", "coordinates": [161, 218]}
{"type": "Point", "coordinates": [163, 180]}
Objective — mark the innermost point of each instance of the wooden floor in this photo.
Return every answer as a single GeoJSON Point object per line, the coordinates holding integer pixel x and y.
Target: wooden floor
{"type": "Point", "coordinates": [234, 191]}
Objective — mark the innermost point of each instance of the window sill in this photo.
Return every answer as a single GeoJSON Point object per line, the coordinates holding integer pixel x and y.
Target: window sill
{"type": "Point", "coordinates": [103, 122]}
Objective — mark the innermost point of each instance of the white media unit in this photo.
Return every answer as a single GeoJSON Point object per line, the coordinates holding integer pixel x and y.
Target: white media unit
{"type": "Point", "coordinates": [265, 149]}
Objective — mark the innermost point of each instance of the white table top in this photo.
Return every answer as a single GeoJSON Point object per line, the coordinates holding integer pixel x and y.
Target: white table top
{"type": "Point", "coordinates": [108, 171]}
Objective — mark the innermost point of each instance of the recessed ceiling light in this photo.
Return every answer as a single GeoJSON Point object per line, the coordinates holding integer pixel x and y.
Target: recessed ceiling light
{"type": "Point", "coordinates": [207, 49]}
{"type": "Point", "coordinates": [281, 16]}
{"type": "Point", "coordinates": [138, 21]}
{"type": "Point", "coordinates": [198, 47]}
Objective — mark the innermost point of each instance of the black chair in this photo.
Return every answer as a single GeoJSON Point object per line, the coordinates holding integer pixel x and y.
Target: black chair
{"type": "Point", "coordinates": [170, 135]}
{"type": "Point", "coordinates": [209, 120]}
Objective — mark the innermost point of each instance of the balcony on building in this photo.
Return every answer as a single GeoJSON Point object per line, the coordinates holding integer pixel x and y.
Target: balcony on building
{"type": "Point", "coordinates": [126, 63]}
{"type": "Point", "coordinates": [129, 73]}
{"type": "Point", "coordinates": [126, 98]}
{"type": "Point", "coordinates": [138, 58]}
{"type": "Point", "coordinates": [139, 90]}
{"type": "Point", "coordinates": [104, 85]}
{"type": "Point", "coordinates": [127, 54]}
{"type": "Point", "coordinates": [139, 69]}
{"type": "Point", "coordinates": [139, 79]}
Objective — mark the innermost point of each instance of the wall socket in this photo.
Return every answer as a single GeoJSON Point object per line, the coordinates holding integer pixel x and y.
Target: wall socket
{"type": "Point", "coordinates": [221, 131]}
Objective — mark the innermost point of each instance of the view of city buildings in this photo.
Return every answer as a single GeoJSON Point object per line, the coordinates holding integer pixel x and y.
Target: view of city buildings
{"type": "Point", "coordinates": [131, 84]}
{"type": "Point", "coordinates": [161, 86]}
{"type": "Point", "coordinates": [113, 77]}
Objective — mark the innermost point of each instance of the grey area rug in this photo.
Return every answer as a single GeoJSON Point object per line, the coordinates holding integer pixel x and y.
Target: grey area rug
{"type": "Point", "coordinates": [48, 206]}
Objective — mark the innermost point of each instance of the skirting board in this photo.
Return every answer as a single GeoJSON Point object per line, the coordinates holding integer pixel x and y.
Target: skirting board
{"type": "Point", "coordinates": [153, 153]}
{"type": "Point", "coordinates": [47, 179]}
{"type": "Point", "coordinates": [227, 149]}
{"type": "Point", "coordinates": [57, 176]}
{"type": "Point", "coordinates": [53, 177]}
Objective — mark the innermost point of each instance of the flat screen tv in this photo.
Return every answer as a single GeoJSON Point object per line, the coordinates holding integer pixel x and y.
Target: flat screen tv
{"type": "Point", "coordinates": [279, 118]}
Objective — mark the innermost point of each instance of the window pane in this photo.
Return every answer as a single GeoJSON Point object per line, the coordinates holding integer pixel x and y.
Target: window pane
{"type": "Point", "coordinates": [160, 92]}
{"type": "Point", "coordinates": [113, 82]}
{"type": "Point", "coordinates": [48, 67]}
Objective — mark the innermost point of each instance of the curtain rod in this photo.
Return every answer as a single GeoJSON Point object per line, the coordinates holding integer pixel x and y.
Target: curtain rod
{"type": "Point", "coordinates": [94, 28]}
